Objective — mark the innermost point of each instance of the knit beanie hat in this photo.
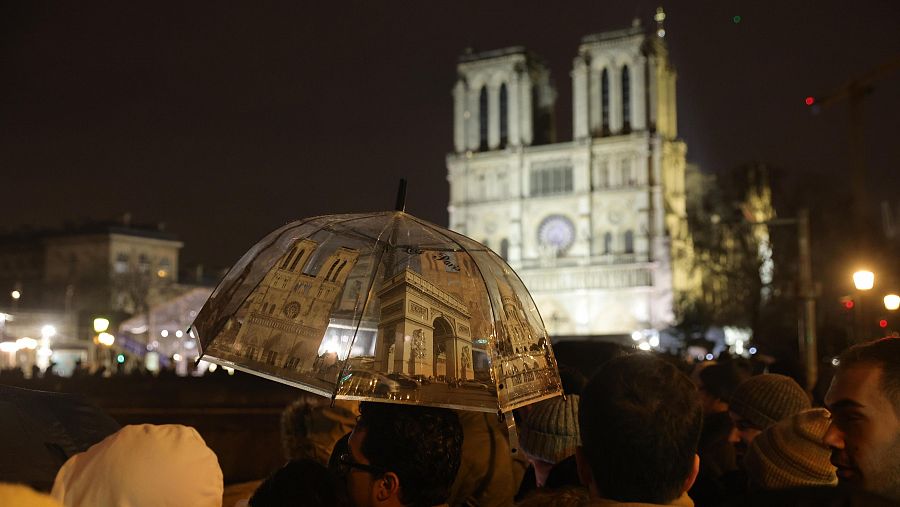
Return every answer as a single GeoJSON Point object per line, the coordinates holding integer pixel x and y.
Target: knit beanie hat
{"type": "Point", "coordinates": [765, 399]}
{"type": "Point", "coordinates": [791, 453]}
{"type": "Point", "coordinates": [550, 430]}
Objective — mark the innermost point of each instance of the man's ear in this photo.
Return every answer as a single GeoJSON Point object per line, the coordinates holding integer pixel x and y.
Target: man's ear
{"type": "Point", "coordinates": [695, 469]}
{"type": "Point", "coordinates": [387, 486]}
{"type": "Point", "coordinates": [585, 474]}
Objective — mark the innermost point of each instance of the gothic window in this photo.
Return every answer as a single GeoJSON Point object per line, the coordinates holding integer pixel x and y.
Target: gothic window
{"type": "Point", "coordinates": [297, 259]}
{"type": "Point", "coordinates": [331, 269]}
{"type": "Point", "coordinates": [504, 249]}
{"type": "Point", "coordinates": [629, 242]}
{"type": "Point", "coordinates": [625, 171]}
{"type": "Point", "coordinates": [607, 243]}
{"type": "Point", "coordinates": [551, 180]}
{"type": "Point", "coordinates": [287, 258]}
{"type": "Point", "coordinates": [504, 116]}
{"type": "Point", "coordinates": [121, 264]}
{"type": "Point", "coordinates": [626, 100]}
{"type": "Point", "coordinates": [604, 101]}
{"type": "Point", "coordinates": [483, 119]}
{"type": "Point", "coordinates": [338, 272]}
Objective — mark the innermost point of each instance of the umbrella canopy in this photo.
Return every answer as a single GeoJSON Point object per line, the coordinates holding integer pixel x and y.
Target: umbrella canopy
{"type": "Point", "coordinates": [384, 307]}
{"type": "Point", "coordinates": [41, 430]}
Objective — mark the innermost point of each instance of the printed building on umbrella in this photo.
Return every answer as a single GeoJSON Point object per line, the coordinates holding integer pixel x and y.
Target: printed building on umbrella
{"type": "Point", "coordinates": [290, 310]}
{"type": "Point", "coordinates": [596, 227]}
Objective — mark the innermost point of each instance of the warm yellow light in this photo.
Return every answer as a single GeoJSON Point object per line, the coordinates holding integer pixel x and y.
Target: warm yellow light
{"type": "Point", "coordinates": [48, 331]}
{"type": "Point", "coordinates": [15, 294]}
{"type": "Point", "coordinates": [106, 339]}
{"type": "Point", "coordinates": [101, 325]}
{"type": "Point", "coordinates": [27, 343]}
{"type": "Point", "coordinates": [892, 301]}
{"type": "Point", "coordinates": [9, 346]}
{"type": "Point", "coordinates": [864, 280]}
{"type": "Point", "coordinates": [162, 273]}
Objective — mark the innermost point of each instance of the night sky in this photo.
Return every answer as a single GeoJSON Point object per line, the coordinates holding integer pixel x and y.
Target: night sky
{"type": "Point", "coordinates": [227, 119]}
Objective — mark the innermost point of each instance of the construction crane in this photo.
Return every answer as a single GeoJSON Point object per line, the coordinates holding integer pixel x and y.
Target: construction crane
{"type": "Point", "coordinates": [854, 91]}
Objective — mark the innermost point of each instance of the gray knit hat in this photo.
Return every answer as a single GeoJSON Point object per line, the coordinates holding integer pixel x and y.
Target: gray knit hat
{"type": "Point", "coordinates": [791, 453]}
{"type": "Point", "coordinates": [550, 430]}
{"type": "Point", "coordinates": [765, 399]}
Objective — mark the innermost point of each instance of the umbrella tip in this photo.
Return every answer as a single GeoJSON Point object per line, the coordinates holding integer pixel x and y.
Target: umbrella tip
{"type": "Point", "coordinates": [401, 196]}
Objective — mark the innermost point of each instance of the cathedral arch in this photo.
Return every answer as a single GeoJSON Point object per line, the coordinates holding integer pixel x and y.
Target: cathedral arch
{"type": "Point", "coordinates": [607, 243]}
{"type": "Point", "coordinates": [604, 101]}
{"type": "Point", "coordinates": [483, 118]}
{"type": "Point", "coordinates": [504, 116]}
{"type": "Point", "coordinates": [629, 241]}
{"type": "Point", "coordinates": [626, 99]}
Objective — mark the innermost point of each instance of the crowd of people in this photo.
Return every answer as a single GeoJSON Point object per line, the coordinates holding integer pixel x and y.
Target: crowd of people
{"type": "Point", "coordinates": [640, 431]}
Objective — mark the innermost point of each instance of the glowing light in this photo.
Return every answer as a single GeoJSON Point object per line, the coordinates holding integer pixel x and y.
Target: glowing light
{"type": "Point", "coordinates": [810, 101]}
{"type": "Point", "coordinates": [736, 19]}
{"type": "Point", "coordinates": [9, 346]}
{"type": "Point", "coordinates": [752, 350]}
{"type": "Point", "coordinates": [15, 294]}
{"type": "Point", "coordinates": [164, 333]}
{"type": "Point", "coordinates": [864, 280]}
{"type": "Point", "coordinates": [120, 358]}
{"type": "Point", "coordinates": [179, 334]}
{"type": "Point", "coordinates": [661, 33]}
{"type": "Point", "coordinates": [835, 362]}
{"type": "Point", "coordinates": [177, 357]}
{"type": "Point", "coordinates": [162, 273]}
{"type": "Point", "coordinates": [229, 370]}
{"type": "Point", "coordinates": [101, 324]}
{"type": "Point", "coordinates": [48, 331]}
{"type": "Point", "coordinates": [190, 344]}
{"type": "Point", "coordinates": [636, 336]}
{"type": "Point", "coordinates": [849, 304]}
{"type": "Point", "coordinates": [213, 367]}
{"type": "Point", "coordinates": [710, 357]}
{"type": "Point", "coordinates": [106, 339]}
{"type": "Point", "coordinates": [892, 301]}
{"type": "Point", "coordinates": [27, 343]}
{"type": "Point", "coordinates": [882, 323]}
{"type": "Point", "coordinates": [44, 352]}
{"type": "Point", "coordinates": [654, 341]}
{"type": "Point", "coordinates": [644, 346]}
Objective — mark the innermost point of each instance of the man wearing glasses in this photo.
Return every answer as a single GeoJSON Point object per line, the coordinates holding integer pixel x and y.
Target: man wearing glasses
{"type": "Point", "coordinates": [401, 455]}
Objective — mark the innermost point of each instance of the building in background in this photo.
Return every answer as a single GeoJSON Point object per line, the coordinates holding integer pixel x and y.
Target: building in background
{"type": "Point", "coordinates": [65, 278]}
{"type": "Point", "coordinates": [595, 226]}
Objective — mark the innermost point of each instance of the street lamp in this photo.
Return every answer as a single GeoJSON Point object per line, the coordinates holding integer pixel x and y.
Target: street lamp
{"type": "Point", "coordinates": [864, 280]}
{"type": "Point", "coordinates": [891, 302]}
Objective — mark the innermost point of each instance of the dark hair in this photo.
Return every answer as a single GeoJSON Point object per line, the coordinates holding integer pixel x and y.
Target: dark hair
{"type": "Point", "coordinates": [885, 353]}
{"type": "Point", "coordinates": [721, 379]}
{"type": "Point", "coordinates": [640, 420]}
{"type": "Point", "coordinates": [422, 445]}
{"type": "Point", "coordinates": [305, 482]}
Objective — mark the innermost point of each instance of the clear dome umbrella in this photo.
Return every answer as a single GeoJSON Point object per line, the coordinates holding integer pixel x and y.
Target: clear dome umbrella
{"type": "Point", "coordinates": [381, 307]}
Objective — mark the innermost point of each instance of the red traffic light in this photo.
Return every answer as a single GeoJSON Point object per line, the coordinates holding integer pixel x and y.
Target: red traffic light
{"type": "Point", "coordinates": [882, 323]}
{"type": "Point", "coordinates": [810, 100]}
{"type": "Point", "coordinates": [848, 304]}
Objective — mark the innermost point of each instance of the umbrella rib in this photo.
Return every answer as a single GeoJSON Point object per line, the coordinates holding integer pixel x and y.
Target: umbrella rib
{"type": "Point", "coordinates": [377, 263]}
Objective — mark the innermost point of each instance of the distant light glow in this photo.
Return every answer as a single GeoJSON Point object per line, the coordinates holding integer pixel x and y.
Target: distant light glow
{"type": "Point", "coordinates": [120, 358]}
{"type": "Point", "coordinates": [710, 357]}
{"type": "Point", "coordinates": [636, 336]}
{"type": "Point", "coordinates": [106, 339]}
{"type": "Point", "coordinates": [164, 333]}
{"type": "Point", "coordinates": [179, 333]}
{"type": "Point", "coordinates": [162, 273]}
{"type": "Point", "coordinates": [229, 370]}
{"type": "Point", "coordinates": [27, 343]}
{"type": "Point", "coordinates": [752, 350]}
{"type": "Point", "coordinates": [835, 362]}
{"type": "Point", "coordinates": [15, 294]}
{"type": "Point", "coordinates": [654, 341]}
{"type": "Point", "coordinates": [810, 100]}
{"type": "Point", "coordinates": [213, 367]}
{"type": "Point", "coordinates": [863, 280]}
{"type": "Point", "coordinates": [101, 324]}
{"type": "Point", "coordinates": [644, 346]}
{"type": "Point", "coordinates": [892, 302]}
{"type": "Point", "coordinates": [9, 347]}
{"type": "Point", "coordinates": [736, 19]}
{"type": "Point", "coordinates": [48, 331]}
{"type": "Point", "coordinates": [849, 304]}
{"type": "Point", "coordinates": [177, 357]}
{"type": "Point", "coordinates": [882, 323]}
{"type": "Point", "coordinates": [190, 344]}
